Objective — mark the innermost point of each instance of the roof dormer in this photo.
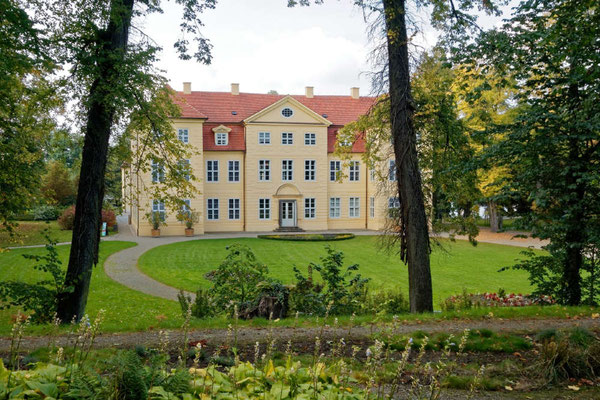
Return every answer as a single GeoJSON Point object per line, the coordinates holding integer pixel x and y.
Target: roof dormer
{"type": "Point", "coordinates": [221, 135]}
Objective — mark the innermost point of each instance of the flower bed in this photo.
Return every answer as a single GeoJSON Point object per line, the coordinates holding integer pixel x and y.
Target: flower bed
{"type": "Point", "coordinates": [309, 237]}
{"type": "Point", "coordinates": [471, 300]}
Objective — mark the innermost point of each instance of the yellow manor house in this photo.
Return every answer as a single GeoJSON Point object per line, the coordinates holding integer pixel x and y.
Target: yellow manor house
{"type": "Point", "coordinates": [266, 162]}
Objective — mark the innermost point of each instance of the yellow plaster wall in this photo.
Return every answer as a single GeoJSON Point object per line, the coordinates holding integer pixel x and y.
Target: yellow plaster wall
{"type": "Point", "coordinates": [344, 189]}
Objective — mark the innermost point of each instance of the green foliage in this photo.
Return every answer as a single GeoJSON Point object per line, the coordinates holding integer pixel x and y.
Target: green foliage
{"type": "Point", "coordinates": [236, 282]}
{"type": "Point", "coordinates": [58, 187]}
{"type": "Point", "coordinates": [342, 291]}
{"type": "Point", "coordinates": [40, 297]}
{"type": "Point", "coordinates": [391, 302]}
{"type": "Point", "coordinates": [45, 213]}
{"type": "Point", "coordinates": [201, 307]}
{"type": "Point", "coordinates": [129, 378]}
{"type": "Point", "coordinates": [548, 50]}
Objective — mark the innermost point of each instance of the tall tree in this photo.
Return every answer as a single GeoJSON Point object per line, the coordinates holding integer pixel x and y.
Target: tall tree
{"type": "Point", "coordinates": [551, 47]}
{"type": "Point", "coordinates": [111, 76]}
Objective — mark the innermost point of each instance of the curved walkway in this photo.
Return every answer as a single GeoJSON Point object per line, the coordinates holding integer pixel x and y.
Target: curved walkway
{"type": "Point", "coordinates": [122, 266]}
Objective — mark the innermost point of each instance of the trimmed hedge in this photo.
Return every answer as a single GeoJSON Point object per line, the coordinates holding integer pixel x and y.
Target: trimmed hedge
{"type": "Point", "coordinates": [309, 237]}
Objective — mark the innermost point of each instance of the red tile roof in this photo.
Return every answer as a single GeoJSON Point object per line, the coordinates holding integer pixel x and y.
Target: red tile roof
{"type": "Point", "coordinates": [357, 147]}
{"type": "Point", "coordinates": [218, 106]}
{"type": "Point", "coordinates": [236, 138]}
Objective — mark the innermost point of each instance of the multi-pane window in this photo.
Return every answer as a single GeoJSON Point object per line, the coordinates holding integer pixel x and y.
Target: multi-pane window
{"type": "Point", "coordinates": [264, 170]}
{"type": "Point", "coordinates": [372, 207]}
{"type": "Point", "coordinates": [158, 206]}
{"type": "Point", "coordinates": [334, 207]}
{"type": "Point", "coordinates": [185, 169]}
{"type": "Point", "coordinates": [287, 170]}
{"type": "Point", "coordinates": [183, 134]}
{"type": "Point", "coordinates": [233, 171]}
{"type": "Point", "coordinates": [354, 207]}
{"type": "Point", "coordinates": [310, 207]}
{"type": "Point", "coordinates": [392, 174]}
{"type": "Point", "coordinates": [158, 172]}
{"type": "Point", "coordinates": [264, 208]}
{"type": "Point", "coordinates": [221, 138]}
{"type": "Point", "coordinates": [264, 137]}
{"type": "Point", "coordinates": [186, 208]}
{"type": "Point", "coordinates": [212, 171]}
{"type": "Point", "coordinates": [310, 169]}
{"type": "Point", "coordinates": [354, 171]}
{"type": "Point", "coordinates": [310, 139]}
{"type": "Point", "coordinates": [334, 170]}
{"type": "Point", "coordinates": [234, 209]}
{"type": "Point", "coordinates": [212, 209]}
{"type": "Point", "coordinates": [393, 206]}
{"type": "Point", "coordinates": [287, 138]}
{"type": "Point", "coordinates": [372, 173]}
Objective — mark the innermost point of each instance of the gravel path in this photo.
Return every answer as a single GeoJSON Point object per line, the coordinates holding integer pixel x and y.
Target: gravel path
{"type": "Point", "coordinates": [251, 335]}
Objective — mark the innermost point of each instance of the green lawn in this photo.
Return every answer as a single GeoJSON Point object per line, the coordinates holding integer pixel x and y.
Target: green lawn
{"type": "Point", "coordinates": [455, 266]}
{"type": "Point", "coordinates": [126, 309]}
{"type": "Point", "coordinates": [31, 233]}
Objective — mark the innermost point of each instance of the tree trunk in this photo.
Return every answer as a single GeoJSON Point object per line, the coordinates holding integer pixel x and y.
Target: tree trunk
{"type": "Point", "coordinates": [112, 44]}
{"type": "Point", "coordinates": [495, 217]}
{"type": "Point", "coordinates": [414, 245]}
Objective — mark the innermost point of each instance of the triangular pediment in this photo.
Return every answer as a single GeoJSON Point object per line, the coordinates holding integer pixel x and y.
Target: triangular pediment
{"type": "Point", "coordinates": [279, 112]}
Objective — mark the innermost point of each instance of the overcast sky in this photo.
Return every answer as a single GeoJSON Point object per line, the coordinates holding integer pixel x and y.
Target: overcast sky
{"type": "Point", "coordinates": [264, 45]}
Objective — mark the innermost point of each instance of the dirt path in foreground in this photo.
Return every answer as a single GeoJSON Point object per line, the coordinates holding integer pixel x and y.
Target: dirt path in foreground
{"type": "Point", "coordinates": [251, 335]}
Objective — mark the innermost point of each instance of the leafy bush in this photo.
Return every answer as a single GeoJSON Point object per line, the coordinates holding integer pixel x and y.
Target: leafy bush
{"type": "Point", "coordinates": [391, 302]}
{"type": "Point", "coordinates": [67, 219]}
{"type": "Point", "coordinates": [342, 293]}
{"type": "Point", "coordinates": [236, 282]}
{"type": "Point", "coordinates": [45, 213]}
{"type": "Point", "coordinates": [40, 297]}
{"type": "Point", "coordinates": [201, 307]}
{"type": "Point", "coordinates": [109, 217]}
{"type": "Point", "coordinates": [466, 301]}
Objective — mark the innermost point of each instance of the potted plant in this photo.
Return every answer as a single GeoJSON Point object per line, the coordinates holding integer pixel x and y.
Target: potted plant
{"type": "Point", "coordinates": [189, 218]}
{"type": "Point", "coordinates": [156, 221]}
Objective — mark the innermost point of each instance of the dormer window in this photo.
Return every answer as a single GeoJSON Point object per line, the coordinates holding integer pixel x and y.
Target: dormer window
{"type": "Point", "coordinates": [221, 135]}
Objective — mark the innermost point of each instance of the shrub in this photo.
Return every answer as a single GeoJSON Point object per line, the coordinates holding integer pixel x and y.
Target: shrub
{"type": "Point", "coordinates": [67, 219]}
{"type": "Point", "coordinates": [391, 302]}
{"type": "Point", "coordinates": [309, 237]}
{"type": "Point", "coordinates": [342, 293]}
{"type": "Point", "coordinates": [201, 307]}
{"type": "Point", "coordinates": [58, 187]}
{"type": "Point", "coordinates": [45, 213]}
{"type": "Point", "coordinates": [109, 217]}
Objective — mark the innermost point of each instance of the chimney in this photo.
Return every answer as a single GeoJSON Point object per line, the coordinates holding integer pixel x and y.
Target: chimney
{"type": "Point", "coordinates": [235, 89]}
{"type": "Point", "coordinates": [309, 91]}
{"type": "Point", "coordinates": [187, 87]}
{"type": "Point", "coordinates": [354, 92]}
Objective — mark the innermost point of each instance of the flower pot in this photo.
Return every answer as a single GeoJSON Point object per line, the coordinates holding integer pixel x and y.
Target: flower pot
{"type": "Point", "coordinates": [189, 232]}
{"type": "Point", "coordinates": [155, 232]}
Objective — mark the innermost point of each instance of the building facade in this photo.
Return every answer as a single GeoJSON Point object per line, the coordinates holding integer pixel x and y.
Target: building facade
{"type": "Point", "coordinates": [266, 162]}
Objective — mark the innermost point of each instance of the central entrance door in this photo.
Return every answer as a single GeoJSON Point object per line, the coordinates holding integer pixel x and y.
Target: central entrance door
{"type": "Point", "coordinates": [287, 213]}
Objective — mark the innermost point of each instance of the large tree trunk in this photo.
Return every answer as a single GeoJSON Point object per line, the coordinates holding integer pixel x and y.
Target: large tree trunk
{"type": "Point", "coordinates": [414, 231]}
{"type": "Point", "coordinates": [495, 217]}
{"type": "Point", "coordinates": [112, 43]}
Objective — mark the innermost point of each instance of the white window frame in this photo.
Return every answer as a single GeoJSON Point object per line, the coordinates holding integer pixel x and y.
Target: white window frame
{"type": "Point", "coordinates": [335, 207]}
{"type": "Point", "coordinates": [287, 170]}
{"type": "Point", "coordinates": [264, 209]}
{"type": "Point", "coordinates": [264, 170]}
{"type": "Point", "coordinates": [287, 138]}
{"type": "Point", "coordinates": [221, 138]}
{"type": "Point", "coordinates": [159, 207]}
{"type": "Point", "coordinates": [310, 208]}
{"type": "Point", "coordinates": [212, 209]}
{"type": "Point", "coordinates": [372, 174]}
{"type": "Point", "coordinates": [233, 208]}
{"type": "Point", "coordinates": [392, 171]}
{"type": "Point", "coordinates": [186, 208]}
{"type": "Point", "coordinates": [372, 207]}
{"type": "Point", "coordinates": [264, 138]}
{"type": "Point", "coordinates": [354, 207]}
{"type": "Point", "coordinates": [233, 172]}
{"type": "Point", "coordinates": [212, 172]}
{"type": "Point", "coordinates": [310, 139]}
{"type": "Point", "coordinates": [335, 167]}
{"type": "Point", "coordinates": [183, 134]}
{"type": "Point", "coordinates": [157, 172]}
{"type": "Point", "coordinates": [310, 170]}
{"type": "Point", "coordinates": [393, 205]}
{"type": "Point", "coordinates": [186, 164]}
{"type": "Point", "coordinates": [354, 174]}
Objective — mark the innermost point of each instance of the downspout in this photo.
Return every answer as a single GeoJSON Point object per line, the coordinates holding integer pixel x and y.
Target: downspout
{"type": "Point", "coordinates": [367, 199]}
{"type": "Point", "coordinates": [244, 185]}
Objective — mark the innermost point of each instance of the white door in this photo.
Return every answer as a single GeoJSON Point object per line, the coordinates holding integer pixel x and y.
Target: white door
{"type": "Point", "coordinates": [288, 211]}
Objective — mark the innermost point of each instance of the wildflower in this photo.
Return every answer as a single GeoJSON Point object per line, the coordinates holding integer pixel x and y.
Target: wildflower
{"type": "Point", "coordinates": [410, 341]}
{"type": "Point", "coordinates": [368, 353]}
